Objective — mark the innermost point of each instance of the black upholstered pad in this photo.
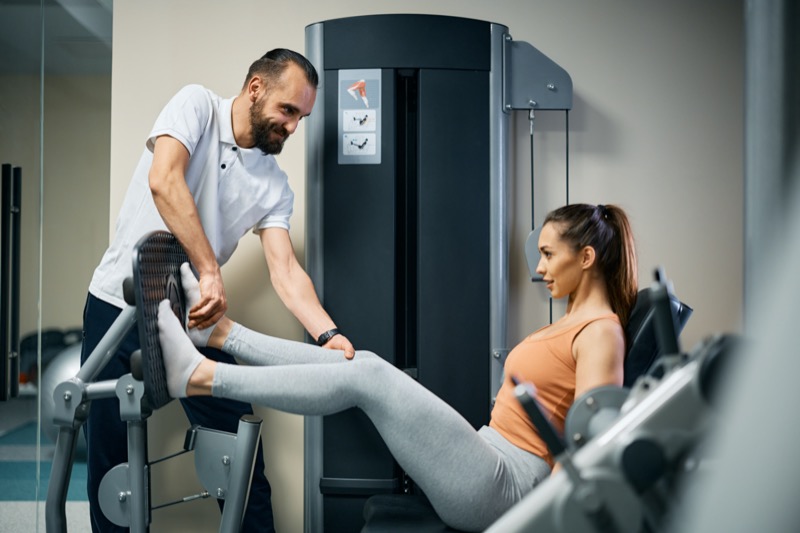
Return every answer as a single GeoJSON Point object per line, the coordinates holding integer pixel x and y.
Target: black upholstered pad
{"type": "Point", "coordinates": [643, 346]}
{"type": "Point", "coordinates": [157, 258]}
{"type": "Point", "coordinates": [402, 513]}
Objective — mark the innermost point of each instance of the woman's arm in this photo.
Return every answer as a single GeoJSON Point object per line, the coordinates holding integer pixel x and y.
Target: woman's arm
{"type": "Point", "coordinates": [599, 351]}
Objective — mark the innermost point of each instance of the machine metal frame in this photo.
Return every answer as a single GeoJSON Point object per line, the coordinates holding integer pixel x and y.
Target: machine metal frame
{"type": "Point", "coordinates": [224, 461]}
{"type": "Point", "coordinates": [520, 78]}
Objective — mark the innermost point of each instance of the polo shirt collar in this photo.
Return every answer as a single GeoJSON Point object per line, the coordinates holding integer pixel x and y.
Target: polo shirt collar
{"type": "Point", "coordinates": [226, 124]}
{"type": "Point", "coordinates": [250, 156]}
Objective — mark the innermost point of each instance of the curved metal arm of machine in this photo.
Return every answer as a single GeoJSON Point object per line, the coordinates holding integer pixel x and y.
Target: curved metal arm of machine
{"type": "Point", "coordinates": [659, 430]}
{"type": "Point", "coordinates": [224, 461]}
{"type": "Point", "coordinates": [587, 497]}
{"type": "Point", "coordinates": [71, 407]}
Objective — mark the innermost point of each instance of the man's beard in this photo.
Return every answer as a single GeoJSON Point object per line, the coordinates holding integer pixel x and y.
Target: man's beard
{"type": "Point", "coordinates": [263, 130]}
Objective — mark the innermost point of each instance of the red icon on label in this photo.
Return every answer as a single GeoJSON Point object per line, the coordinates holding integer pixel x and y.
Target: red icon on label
{"type": "Point", "coordinates": [359, 88]}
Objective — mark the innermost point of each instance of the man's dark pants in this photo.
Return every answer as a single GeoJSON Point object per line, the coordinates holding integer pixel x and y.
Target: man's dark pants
{"type": "Point", "coordinates": [106, 434]}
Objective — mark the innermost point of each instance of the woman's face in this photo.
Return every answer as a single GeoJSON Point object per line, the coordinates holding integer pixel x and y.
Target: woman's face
{"type": "Point", "coordinates": [559, 264]}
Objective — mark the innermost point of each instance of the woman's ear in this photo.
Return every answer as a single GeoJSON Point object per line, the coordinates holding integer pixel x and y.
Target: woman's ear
{"type": "Point", "coordinates": [588, 257]}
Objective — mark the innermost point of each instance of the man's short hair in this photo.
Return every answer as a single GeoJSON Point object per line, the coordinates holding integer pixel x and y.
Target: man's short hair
{"type": "Point", "coordinates": [271, 65]}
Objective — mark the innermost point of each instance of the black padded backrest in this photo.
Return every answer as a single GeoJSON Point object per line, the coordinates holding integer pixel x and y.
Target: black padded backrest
{"type": "Point", "coordinates": [643, 347]}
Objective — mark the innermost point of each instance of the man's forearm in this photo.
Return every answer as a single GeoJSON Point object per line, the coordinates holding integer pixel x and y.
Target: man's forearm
{"type": "Point", "coordinates": [176, 207]}
{"type": "Point", "coordinates": [298, 295]}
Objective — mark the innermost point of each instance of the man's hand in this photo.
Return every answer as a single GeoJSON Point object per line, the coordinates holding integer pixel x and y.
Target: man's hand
{"type": "Point", "coordinates": [340, 342]}
{"type": "Point", "coordinates": [212, 305]}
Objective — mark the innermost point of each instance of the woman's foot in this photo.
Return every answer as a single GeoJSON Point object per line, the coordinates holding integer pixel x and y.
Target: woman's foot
{"type": "Point", "coordinates": [213, 336]}
{"type": "Point", "coordinates": [180, 356]}
{"type": "Point", "coordinates": [191, 288]}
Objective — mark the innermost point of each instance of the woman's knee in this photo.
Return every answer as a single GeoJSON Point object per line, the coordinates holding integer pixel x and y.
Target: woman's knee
{"type": "Point", "coordinates": [366, 355]}
{"type": "Point", "coordinates": [372, 368]}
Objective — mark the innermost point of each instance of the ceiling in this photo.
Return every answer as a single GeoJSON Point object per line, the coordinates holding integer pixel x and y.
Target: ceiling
{"type": "Point", "coordinates": [75, 35]}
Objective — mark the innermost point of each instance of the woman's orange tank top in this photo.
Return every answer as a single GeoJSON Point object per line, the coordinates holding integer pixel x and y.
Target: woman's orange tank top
{"type": "Point", "coordinates": [545, 360]}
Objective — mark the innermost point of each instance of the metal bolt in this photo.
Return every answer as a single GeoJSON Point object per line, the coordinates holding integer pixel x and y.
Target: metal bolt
{"type": "Point", "coordinates": [590, 402]}
{"type": "Point", "coordinates": [507, 37]}
{"type": "Point", "coordinates": [123, 496]}
{"type": "Point", "coordinates": [220, 493]}
{"type": "Point", "coordinates": [551, 86]}
{"type": "Point", "coordinates": [129, 389]}
{"type": "Point", "coordinates": [226, 460]}
{"type": "Point", "coordinates": [67, 396]}
{"type": "Point", "coordinates": [532, 103]}
{"type": "Point", "coordinates": [508, 107]}
{"type": "Point", "coordinates": [496, 355]}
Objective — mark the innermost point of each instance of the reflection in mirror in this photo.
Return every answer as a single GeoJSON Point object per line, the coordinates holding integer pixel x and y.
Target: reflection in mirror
{"type": "Point", "coordinates": [55, 109]}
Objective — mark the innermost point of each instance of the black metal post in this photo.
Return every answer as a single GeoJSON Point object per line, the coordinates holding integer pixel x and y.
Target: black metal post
{"type": "Point", "coordinates": [14, 230]}
{"type": "Point", "coordinates": [5, 249]}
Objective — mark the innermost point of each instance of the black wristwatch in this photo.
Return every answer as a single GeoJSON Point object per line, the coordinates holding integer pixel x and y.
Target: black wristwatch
{"type": "Point", "coordinates": [328, 335]}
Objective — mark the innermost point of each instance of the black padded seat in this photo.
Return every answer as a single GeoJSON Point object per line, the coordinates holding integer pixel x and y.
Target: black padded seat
{"type": "Point", "coordinates": [402, 513]}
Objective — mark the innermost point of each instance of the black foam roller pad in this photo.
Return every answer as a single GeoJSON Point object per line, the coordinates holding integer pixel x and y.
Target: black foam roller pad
{"type": "Point", "coordinates": [157, 259]}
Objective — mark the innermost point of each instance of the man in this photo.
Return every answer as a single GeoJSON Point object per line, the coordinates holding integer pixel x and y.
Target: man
{"type": "Point", "coordinates": [208, 175]}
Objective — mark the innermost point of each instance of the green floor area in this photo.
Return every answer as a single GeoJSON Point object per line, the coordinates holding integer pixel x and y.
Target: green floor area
{"type": "Point", "coordinates": [18, 469]}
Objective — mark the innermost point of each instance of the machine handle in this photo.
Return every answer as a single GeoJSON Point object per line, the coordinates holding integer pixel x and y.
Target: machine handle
{"type": "Point", "coordinates": [526, 394]}
{"type": "Point", "coordinates": [666, 332]}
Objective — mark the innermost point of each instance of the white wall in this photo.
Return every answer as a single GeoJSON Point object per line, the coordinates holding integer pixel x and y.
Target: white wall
{"type": "Point", "coordinates": [656, 127]}
{"type": "Point", "coordinates": [77, 118]}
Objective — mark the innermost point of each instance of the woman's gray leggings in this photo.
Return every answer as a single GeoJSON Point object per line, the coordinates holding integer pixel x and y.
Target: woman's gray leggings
{"type": "Point", "coordinates": [470, 477]}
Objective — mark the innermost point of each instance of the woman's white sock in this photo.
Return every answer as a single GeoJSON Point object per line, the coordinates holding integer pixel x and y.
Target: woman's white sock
{"type": "Point", "coordinates": [180, 356]}
{"type": "Point", "coordinates": [192, 291]}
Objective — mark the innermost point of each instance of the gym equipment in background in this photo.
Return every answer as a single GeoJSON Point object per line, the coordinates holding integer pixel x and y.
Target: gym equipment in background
{"type": "Point", "coordinates": [410, 134]}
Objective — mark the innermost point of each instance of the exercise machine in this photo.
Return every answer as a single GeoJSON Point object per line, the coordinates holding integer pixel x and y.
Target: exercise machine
{"type": "Point", "coordinates": [413, 128]}
{"type": "Point", "coordinates": [626, 454]}
{"type": "Point", "coordinates": [224, 461]}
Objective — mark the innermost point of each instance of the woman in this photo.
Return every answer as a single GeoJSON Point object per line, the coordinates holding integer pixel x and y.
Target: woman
{"type": "Point", "coordinates": [470, 478]}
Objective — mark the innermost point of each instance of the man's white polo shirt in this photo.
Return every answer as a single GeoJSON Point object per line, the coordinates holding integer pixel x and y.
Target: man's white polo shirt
{"type": "Point", "coordinates": [235, 189]}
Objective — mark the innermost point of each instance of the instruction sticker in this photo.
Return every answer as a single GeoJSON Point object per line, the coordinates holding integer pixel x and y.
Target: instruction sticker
{"type": "Point", "coordinates": [359, 113]}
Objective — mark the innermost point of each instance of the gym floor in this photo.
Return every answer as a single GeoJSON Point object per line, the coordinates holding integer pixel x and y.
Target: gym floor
{"type": "Point", "coordinates": [22, 499]}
